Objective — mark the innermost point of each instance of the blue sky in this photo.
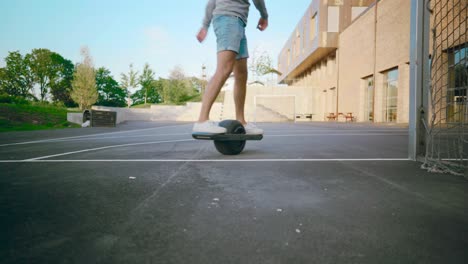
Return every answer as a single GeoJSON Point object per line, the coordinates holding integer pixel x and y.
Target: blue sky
{"type": "Point", "coordinates": [120, 32]}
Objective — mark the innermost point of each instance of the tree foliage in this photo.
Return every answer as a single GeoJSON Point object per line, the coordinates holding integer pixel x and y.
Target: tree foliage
{"type": "Point", "coordinates": [109, 91]}
{"type": "Point", "coordinates": [40, 61]}
{"type": "Point", "coordinates": [260, 65]}
{"type": "Point", "coordinates": [147, 82]}
{"type": "Point", "coordinates": [84, 91]}
{"type": "Point", "coordinates": [129, 82]}
{"type": "Point", "coordinates": [151, 91]}
{"type": "Point", "coordinates": [56, 79]}
{"type": "Point", "coordinates": [178, 88]}
{"type": "Point", "coordinates": [61, 80]}
{"type": "Point", "coordinates": [44, 68]}
{"type": "Point", "coordinates": [16, 77]}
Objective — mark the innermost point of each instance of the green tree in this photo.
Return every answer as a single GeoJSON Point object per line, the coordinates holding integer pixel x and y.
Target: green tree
{"type": "Point", "coordinates": [152, 93]}
{"type": "Point", "coordinates": [61, 79]}
{"type": "Point", "coordinates": [129, 81]}
{"type": "Point", "coordinates": [40, 61]}
{"type": "Point", "coordinates": [16, 78]}
{"type": "Point", "coordinates": [260, 65]}
{"type": "Point", "coordinates": [146, 81]}
{"type": "Point", "coordinates": [109, 91]}
{"type": "Point", "coordinates": [178, 89]}
{"type": "Point", "coordinates": [84, 91]}
{"type": "Point", "coordinates": [197, 84]}
{"type": "Point", "coordinates": [4, 82]}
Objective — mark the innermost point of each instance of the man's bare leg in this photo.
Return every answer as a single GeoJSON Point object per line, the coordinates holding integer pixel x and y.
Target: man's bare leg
{"type": "Point", "coordinates": [240, 87]}
{"type": "Point", "coordinates": [225, 64]}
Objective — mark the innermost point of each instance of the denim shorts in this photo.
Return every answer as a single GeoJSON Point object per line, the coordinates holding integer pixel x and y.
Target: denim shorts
{"type": "Point", "coordinates": [230, 35]}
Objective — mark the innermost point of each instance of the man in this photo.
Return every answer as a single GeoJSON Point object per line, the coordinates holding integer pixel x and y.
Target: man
{"type": "Point", "coordinates": [229, 22]}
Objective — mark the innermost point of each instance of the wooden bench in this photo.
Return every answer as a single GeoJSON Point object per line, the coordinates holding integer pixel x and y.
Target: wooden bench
{"type": "Point", "coordinates": [349, 116]}
{"type": "Point", "coordinates": [332, 116]}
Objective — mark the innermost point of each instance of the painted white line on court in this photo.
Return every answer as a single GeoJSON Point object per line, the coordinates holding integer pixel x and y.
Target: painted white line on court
{"type": "Point", "coordinates": [118, 137]}
{"type": "Point", "coordinates": [186, 134]}
{"type": "Point", "coordinates": [91, 135]}
{"type": "Point", "coordinates": [338, 130]}
{"type": "Point", "coordinates": [108, 147]}
{"type": "Point", "coordinates": [208, 160]}
{"type": "Point", "coordinates": [350, 134]}
{"type": "Point", "coordinates": [157, 128]}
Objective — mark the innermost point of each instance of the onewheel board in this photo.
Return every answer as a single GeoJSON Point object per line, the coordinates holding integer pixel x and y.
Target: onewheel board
{"type": "Point", "coordinates": [226, 137]}
{"type": "Point", "coordinates": [233, 141]}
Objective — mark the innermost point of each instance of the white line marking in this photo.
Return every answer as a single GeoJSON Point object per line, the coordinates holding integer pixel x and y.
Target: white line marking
{"type": "Point", "coordinates": [179, 169]}
{"type": "Point", "coordinates": [336, 130]}
{"type": "Point", "coordinates": [188, 133]}
{"type": "Point", "coordinates": [91, 135]}
{"type": "Point", "coordinates": [350, 134]}
{"type": "Point", "coordinates": [108, 147]}
{"type": "Point", "coordinates": [117, 137]}
{"type": "Point", "coordinates": [208, 160]}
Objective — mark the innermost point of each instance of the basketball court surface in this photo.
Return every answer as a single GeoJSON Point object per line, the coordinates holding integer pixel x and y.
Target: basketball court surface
{"type": "Point", "coordinates": [147, 192]}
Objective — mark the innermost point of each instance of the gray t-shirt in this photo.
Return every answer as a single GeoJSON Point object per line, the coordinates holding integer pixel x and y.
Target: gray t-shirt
{"type": "Point", "coordinates": [238, 8]}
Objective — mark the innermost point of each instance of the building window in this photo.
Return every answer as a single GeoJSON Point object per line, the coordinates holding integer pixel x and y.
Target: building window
{"type": "Point", "coordinates": [298, 43]}
{"type": "Point", "coordinates": [333, 18]}
{"type": "Point", "coordinates": [369, 100]}
{"type": "Point", "coordinates": [313, 26]}
{"type": "Point", "coordinates": [457, 85]}
{"type": "Point", "coordinates": [304, 36]}
{"type": "Point", "coordinates": [390, 92]}
{"type": "Point", "coordinates": [289, 57]}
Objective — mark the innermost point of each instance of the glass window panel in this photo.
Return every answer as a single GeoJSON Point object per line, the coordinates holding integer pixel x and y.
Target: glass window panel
{"type": "Point", "coordinates": [369, 81]}
{"type": "Point", "coordinates": [456, 98]}
{"type": "Point", "coordinates": [390, 96]}
{"type": "Point", "coordinates": [457, 57]}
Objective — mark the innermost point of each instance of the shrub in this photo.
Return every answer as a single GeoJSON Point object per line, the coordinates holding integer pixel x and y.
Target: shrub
{"type": "Point", "coordinates": [8, 99]}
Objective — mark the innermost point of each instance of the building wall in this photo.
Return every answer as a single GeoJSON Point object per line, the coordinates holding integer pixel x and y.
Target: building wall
{"type": "Point", "coordinates": [284, 100]}
{"type": "Point", "coordinates": [356, 63]}
{"type": "Point", "coordinates": [320, 83]}
{"type": "Point", "coordinates": [376, 42]}
{"type": "Point", "coordinates": [392, 51]}
{"type": "Point", "coordinates": [316, 35]}
{"type": "Point", "coordinates": [370, 42]}
{"type": "Point", "coordinates": [305, 44]}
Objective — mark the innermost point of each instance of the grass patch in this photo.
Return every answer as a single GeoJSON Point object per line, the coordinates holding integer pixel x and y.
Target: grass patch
{"type": "Point", "coordinates": [23, 117]}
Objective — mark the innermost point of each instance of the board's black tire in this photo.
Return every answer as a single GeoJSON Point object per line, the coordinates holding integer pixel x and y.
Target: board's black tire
{"type": "Point", "coordinates": [231, 147]}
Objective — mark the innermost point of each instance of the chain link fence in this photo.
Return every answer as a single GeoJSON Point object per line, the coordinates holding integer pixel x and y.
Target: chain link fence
{"type": "Point", "coordinates": [447, 119]}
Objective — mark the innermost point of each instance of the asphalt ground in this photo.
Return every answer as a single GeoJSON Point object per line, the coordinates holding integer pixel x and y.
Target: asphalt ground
{"type": "Point", "coordinates": [147, 192]}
